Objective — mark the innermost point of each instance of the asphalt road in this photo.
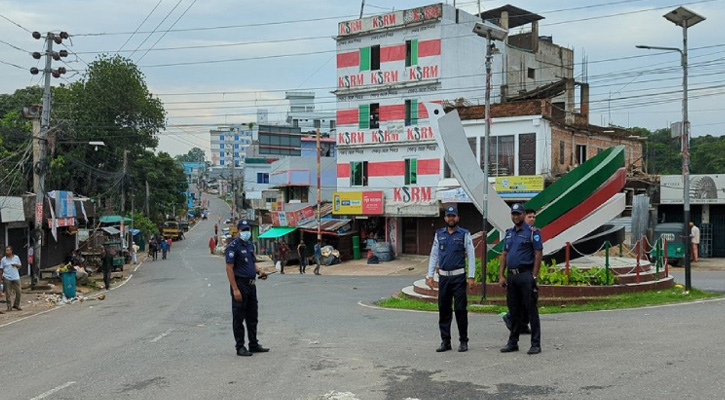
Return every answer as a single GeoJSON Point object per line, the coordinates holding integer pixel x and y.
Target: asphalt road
{"type": "Point", "coordinates": [166, 334]}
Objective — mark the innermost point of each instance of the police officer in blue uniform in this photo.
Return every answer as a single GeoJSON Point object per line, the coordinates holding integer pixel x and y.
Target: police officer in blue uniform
{"type": "Point", "coordinates": [452, 246]}
{"type": "Point", "coordinates": [241, 272]}
{"type": "Point", "coordinates": [521, 256]}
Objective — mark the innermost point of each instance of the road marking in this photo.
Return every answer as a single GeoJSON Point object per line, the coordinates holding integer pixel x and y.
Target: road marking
{"type": "Point", "coordinates": [161, 336]}
{"type": "Point", "coordinates": [137, 267]}
{"type": "Point", "coordinates": [32, 315]}
{"type": "Point", "coordinates": [51, 391]}
{"type": "Point", "coordinates": [122, 283]}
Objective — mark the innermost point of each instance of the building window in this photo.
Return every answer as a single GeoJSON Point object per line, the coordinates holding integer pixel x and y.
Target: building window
{"type": "Point", "coordinates": [599, 150]}
{"type": "Point", "coordinates": [262, 177]}
{"type": "Point", "coordinates": [236, 145]}
{"type": "Point", "coordinates": [374, 116]}
{"type": "Point", "coordinates": [236, 154]}
{"type": "Point", "coordinates": [221, 162]}
{"type": "Point", "coordinates": [532, 73]}
{"type": "Point", "coordinates": [236, 137]}
{"type": "Point", "coordinates": [581, 154]}
{"type": "Point", "coordinates": [411, 52]}
{"type": "Point", "coordinates": [359, 173]}
{"type": "Point", "coordinates": [316, 124]}
{"type": "Point", "coordinates": [500, 155]}
{"type": "Point", "coordinates": [562, 152]}
{"type": "Point", "coordinates": [332, 124]}
{"type": "Point", "coordinates": [370, 58]}
{"type": "Point", "coordinates": [221, 138]}
{"type": "Point", "coordinates": [411, 171]}
{"type": "Point", "coordinates": [221, 145]}
{"type": "Point", "coordinates": [411, 112]}
{"type": "Point", "coordinates": [295, 123]}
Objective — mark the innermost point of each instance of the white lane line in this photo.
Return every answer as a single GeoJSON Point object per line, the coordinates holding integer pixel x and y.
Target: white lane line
{"type": "Point", "coordinates": [161, 336]}
{"type": "Point", "coordinates": [32, 315]}
{"type": "Point", "coordinates": [122, 283]}
{"type": "Point", "coordinates": [137, 267]}
{"type": "Point", "coordinates": [51, 391]}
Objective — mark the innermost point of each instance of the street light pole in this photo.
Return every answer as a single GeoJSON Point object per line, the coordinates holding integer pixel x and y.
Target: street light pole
{"type": "Point", "coordinates": [490, 32]}
{"type": "Point", "coordinates": [684, 18]}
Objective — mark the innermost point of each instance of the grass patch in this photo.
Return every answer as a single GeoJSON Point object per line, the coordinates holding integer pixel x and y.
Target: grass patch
{"type": "Point", "coordinates": [620, 301]}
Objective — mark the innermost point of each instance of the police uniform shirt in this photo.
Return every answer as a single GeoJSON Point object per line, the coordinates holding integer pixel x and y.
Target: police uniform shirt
{"type": "Point", "coordinates": [241, 254]}
{"type": "Point", "coordinates": [450, 251]}
{"type": "Point", "coordinates": [520, 245]}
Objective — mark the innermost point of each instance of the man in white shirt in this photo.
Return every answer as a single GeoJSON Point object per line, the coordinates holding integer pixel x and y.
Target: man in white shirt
{"type": "Point", "coordinates": [695, 235]}
{"type": "Point", "coordinates": [10, 266]}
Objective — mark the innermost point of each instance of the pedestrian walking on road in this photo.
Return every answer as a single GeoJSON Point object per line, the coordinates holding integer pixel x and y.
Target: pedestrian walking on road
{"type": "Point", "coordinates": [169, 242]}
{"type": "Point", "coordinates": [242, 270]}
{"type": "Point", "coordinates": [164, 248]}
{"type": "Point", "coordinates": [10, 273]}
{"type": "Point", "coordinates": [452, 247]}
{"type": "Point", "coordinates": [216, 229]}
{"type": "Point", "coordinates": [107, 266]}
{"type": "Point", "coordinates": [302, 253]}
{"type": "Point", "coordinates": [318, 256]}
{"type": "Point", "coordinates": [153, 248]}
{"type": "Point", "coordinates": [212, 244]}
{"type": "Point", "coordinates": [134, 253]}
{"type": "Point", "coordinates": [521, 258]}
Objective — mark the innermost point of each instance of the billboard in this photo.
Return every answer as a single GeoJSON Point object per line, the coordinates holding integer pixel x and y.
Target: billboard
{"type": "Point", "coordinates": [524, 183]}
{"type": "Point", "coordinates": [358, 203]}
{"type": "Point", "coordinates": [704, 189]}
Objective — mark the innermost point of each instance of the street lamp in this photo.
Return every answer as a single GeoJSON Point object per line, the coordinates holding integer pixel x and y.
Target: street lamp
{"type": "Point", "coordinates": [491, 32]}
{"type": "Point", "coordinates": [684, 18]}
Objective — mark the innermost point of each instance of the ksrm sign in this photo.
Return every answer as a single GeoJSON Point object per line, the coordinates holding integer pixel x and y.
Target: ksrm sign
{"type": "Point", "coordinates": [704, 189]}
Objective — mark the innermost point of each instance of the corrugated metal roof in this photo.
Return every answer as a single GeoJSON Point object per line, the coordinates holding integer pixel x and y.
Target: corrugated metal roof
{"type": "Point", "coordinates": [331, 225]}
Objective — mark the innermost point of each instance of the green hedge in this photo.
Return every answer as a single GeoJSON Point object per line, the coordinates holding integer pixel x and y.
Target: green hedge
{"type": "Point", "coordinates": [550, 274]}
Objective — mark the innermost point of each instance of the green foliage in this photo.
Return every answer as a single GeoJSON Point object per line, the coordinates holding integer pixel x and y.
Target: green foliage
{"type": "Point", "coordinates": [166, 179]}
{"type": "Point", "coordinates": [146, 226]}
{"type": "Point", "coordinates": [195, 155]}
{"type": "Point", "coordinates": [550, 274]}
{"type": "Point", "coordinates": [663, 154]}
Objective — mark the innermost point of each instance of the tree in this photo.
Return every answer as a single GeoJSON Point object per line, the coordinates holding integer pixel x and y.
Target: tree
{"type": "Point", "coordinates": [195, 155]}
{"type": "Point", "coordinates": [16, 174]}
{"type": "Point", "coordinates": [166, 179]}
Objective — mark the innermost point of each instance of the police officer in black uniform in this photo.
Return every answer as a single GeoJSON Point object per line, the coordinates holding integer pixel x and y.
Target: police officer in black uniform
{"type": "Point", "coordinates": [241, 272]}
{"type": "Point", "coordinates": [522, 257]}
{"type": "Point", "coordinates": [452, 245]}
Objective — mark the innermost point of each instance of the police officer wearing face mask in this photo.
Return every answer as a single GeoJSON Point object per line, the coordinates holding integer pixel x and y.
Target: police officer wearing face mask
{"type": "Point", "coordinates": [521, 257]}
{"type": "Point", "coordinates": [452, 245]}
{"type": "Point", "coordinates": [241, 272]}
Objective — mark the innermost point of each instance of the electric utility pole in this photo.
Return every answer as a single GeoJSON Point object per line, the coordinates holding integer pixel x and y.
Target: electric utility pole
{"type": "Point", "coordinates": [40, 162]}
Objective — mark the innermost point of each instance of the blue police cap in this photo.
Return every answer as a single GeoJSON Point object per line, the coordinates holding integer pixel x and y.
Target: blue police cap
{"type": "Point", "coordinates": [452, 210]}
{"type": "Point", "coordinates": [517, 208]}
{"type": "Point", "coordinates": [244, 224]}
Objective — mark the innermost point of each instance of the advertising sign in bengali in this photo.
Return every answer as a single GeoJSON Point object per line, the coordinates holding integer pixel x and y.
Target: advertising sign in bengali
{"type": "Point", "coordinates": [358, 203]}
{"type": "Point", "coordinates": [524, 183]}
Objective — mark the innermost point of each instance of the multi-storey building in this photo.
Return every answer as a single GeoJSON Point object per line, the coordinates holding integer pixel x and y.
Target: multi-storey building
{"type": "Point", "coordinates": [388, 65]}
{"type": "Point", "coordinates": [304, 115]}
{"type": "Point", "coordinates": [229, 144]}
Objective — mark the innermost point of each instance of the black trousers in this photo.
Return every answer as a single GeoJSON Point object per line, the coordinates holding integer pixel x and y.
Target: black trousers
{"type": "Point", "coordinates": [452, 294]}
{"type": "Point", "coordinates": [107, 277]}
{"type": "Point", "coordinates": [245, 311]}
{"type": "Point", "coordinates": [522, 296]}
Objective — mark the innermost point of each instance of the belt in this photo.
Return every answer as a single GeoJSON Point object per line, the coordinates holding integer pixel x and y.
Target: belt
{"type": "Point", "coordinates": [521, 269]}
{"type": "Point", "coordinates": [245, 281]}
{"type": "Point", "coordinates": [455, 272]}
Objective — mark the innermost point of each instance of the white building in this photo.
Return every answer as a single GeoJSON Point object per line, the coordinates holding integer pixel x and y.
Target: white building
{"type": "Point", "coordinates": [388, 65]}
{"type": "Point", "coordinates": [229, 144]}
{"type": "Point", "coordinates": [304, 115]}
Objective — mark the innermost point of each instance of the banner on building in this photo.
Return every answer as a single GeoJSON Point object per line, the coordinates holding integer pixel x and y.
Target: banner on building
{"type": "Point", "coordinates": [358, 203]}
{"type": "Point", "coordinates": [524, 183]}
{"type": "Point", "coordinates": [704, 189]}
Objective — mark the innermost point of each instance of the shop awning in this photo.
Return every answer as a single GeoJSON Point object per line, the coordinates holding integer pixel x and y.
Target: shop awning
{"type": "Point", "coordinates": [277, 231]}
{"type": "Point", "coordinates": [113, 219]}
{"type": "Point", "coordinates": [111, 230]}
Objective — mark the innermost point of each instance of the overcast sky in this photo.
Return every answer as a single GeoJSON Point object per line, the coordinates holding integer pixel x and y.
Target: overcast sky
{"type": "Point", "coordinates": [278, 45]}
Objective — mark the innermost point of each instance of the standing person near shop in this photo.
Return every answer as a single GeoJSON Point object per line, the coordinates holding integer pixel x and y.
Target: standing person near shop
{"type": "Point", "coordinates": [216, 229]}
{"type": "Point", "coordinates": [695, 238]}
{"type": "Point", "coordinates": [107, 266]}
{"type": "Point", "coordinates": [452, 246]}
{"type": "Point", "coordinates": [164, 247]}
{"type": "Point", "coordinates": [521, 258]}
{"type": "Point", "coordinates": [10, 272]}
{"type": "Point", "coordinates": [318, 256]}
{"type": "Point", "coordinates": [283, 254]}
{"type": "Point", "coordinates": [241, 272]}
{"type": "Point", "coordinates": [302, 253]}
{"type": "Point", "coordinates": [169, 242]}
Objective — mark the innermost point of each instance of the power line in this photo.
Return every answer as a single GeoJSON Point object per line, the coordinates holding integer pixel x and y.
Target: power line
{"type": "Point", "coordinates": [139, 26]}
{"type": "Point", "coordinates": [11, 64]}
{"type": "Point", "coordinates": [14, 46]}
{"type": "Point", "coordinates": [155, 29]}
{"type": "Point", "coordinates": [167, 31]}
{"type": "Point", "coordinates": [15, 23]}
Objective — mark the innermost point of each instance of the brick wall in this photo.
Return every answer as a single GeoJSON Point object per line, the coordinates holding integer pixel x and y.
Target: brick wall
{"type": "Point", "coordinates": [593, 144]}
